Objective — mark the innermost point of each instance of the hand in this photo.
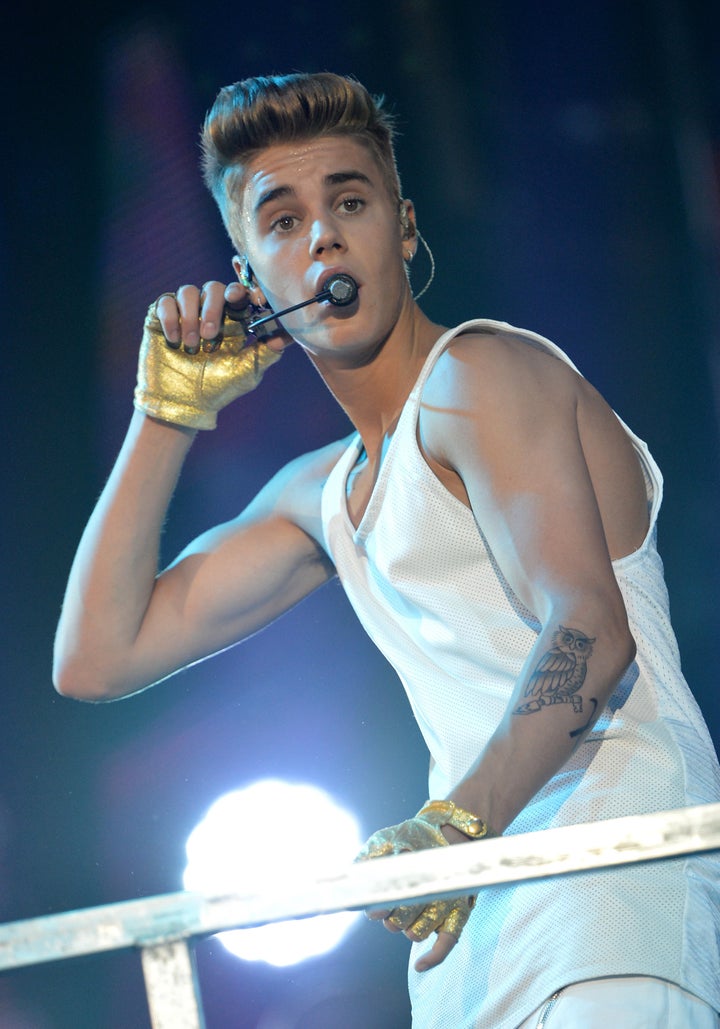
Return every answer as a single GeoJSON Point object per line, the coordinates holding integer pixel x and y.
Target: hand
{"type": "Point", "coordinates": [417, 921]}
{"type": "Point", "coordinates": [197, 356]}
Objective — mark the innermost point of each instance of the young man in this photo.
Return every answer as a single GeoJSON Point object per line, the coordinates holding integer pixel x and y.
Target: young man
{"type": "Point", "coordinates": [493, 524]}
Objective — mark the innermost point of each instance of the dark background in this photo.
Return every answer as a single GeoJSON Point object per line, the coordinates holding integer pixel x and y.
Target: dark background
{"type": "Point", "coordinates": [563, 158]}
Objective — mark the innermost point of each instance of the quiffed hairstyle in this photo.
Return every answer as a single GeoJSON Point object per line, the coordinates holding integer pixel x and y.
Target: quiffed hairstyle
{"type": "Point", "coordinates": [257, 113]}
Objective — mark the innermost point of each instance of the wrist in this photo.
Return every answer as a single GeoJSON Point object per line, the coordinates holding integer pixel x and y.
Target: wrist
{"type": "Point", "coordinates": [453, 835]}
{"type": "Point", "coordinates": [158, 431]}
{"type": "Point", "coordinates": [457, 824]}
{"type": "Point", "coordinates": [173, 412]}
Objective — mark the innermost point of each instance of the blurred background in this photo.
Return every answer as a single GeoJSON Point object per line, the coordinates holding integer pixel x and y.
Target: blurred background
{"type": "Point", "coordinates": [564, 159]}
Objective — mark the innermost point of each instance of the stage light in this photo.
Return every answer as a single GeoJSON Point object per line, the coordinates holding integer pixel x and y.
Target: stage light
{"type": "Point", "coordinates": [268, 833]}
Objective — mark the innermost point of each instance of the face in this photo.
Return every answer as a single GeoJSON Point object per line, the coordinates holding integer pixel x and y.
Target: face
{"type": "Point", "coordinates": [313, 209]}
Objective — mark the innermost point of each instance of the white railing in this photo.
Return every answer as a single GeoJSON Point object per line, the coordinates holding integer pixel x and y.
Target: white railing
{"type": "Point", "coordinates": [164, 927]}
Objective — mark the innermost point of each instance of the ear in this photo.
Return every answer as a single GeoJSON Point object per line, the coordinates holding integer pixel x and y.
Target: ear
{"type": "Point", "coordinates": [245, 274]}
{"type": "Point", "coordinates": [407, 219]}
{"type": "Point", "coordinates": [243, 271]}
{"type": "Point", "coordinates": [408, 228]}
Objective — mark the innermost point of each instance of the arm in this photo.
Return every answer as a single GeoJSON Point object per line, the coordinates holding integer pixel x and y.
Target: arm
{"type": "Point", "coordinates": [551, 478]}
{"type": "Point", "coordinates": [542, 459]}
{"type": "Point", "coordinates": [123, 626]}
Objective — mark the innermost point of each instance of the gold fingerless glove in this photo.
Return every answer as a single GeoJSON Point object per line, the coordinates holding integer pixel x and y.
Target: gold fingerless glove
{"type": "Point", "coordinates": [190, 389]}
{"type": "Point", "coordinates": [421, 833]}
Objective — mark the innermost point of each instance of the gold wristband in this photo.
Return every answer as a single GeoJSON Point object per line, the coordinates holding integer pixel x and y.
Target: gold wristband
{"type": "Point", "coordinates": [446, 812]}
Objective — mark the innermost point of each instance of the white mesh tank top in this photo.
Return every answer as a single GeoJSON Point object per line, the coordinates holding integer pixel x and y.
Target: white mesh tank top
{"type": "Point", "coordinates": [427, 590]}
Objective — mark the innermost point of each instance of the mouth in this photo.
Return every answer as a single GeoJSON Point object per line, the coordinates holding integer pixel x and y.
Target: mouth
{"type": "Point", "coordinates": [337, 287]}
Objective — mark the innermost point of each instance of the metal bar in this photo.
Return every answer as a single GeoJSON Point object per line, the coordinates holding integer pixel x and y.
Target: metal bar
{"type": "Point", "coordinates": [378, 883]}
{"type": "Point", "coordinates": [172, 988]}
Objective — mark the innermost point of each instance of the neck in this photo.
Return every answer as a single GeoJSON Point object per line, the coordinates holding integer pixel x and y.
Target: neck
{"type": "Point", "coordinates": [373, 391]}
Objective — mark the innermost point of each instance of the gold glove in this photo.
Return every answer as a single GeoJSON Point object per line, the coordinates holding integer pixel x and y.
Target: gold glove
{"type": "Point", "coordinates": [421, 833]}
{"type": "Point", "coordinates": [190, 389]}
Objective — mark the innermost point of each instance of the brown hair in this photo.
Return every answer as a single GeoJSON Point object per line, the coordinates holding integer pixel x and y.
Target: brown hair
{"type": "Point", "coordinates": [256, 113]}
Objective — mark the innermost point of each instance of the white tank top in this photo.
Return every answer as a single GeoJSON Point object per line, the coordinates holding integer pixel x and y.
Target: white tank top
{"type": "Point", "coordinates": [427, 589]}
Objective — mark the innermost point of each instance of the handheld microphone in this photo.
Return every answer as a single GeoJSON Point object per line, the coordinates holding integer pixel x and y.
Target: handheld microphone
{"type": "Point", "coordinates": [340, 290]}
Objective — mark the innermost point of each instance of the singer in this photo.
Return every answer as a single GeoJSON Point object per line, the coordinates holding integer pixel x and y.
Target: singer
{"type": "Point", "coordinates": [493, 524]}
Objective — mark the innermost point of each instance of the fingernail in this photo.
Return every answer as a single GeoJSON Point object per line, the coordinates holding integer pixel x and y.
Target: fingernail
{"type": "Point", "coordinates": [209, 330]}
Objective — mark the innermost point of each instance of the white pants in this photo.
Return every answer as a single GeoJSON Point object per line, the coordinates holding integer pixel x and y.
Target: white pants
{"type": "Point", "coordinates": [627, 1002]}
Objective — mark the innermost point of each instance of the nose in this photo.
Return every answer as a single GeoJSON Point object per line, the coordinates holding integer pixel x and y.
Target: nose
{"type": "Point", "coordinates": [325, 236]}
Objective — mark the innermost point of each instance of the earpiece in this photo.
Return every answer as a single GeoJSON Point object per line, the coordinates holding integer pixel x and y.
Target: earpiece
{"type": "Point", "coordinates": [409, 231]}
{"type": "Point", "coordinates": [247, 277]}
{"type": "Point", "coordinates": [405, 222]}
{"type": "Point", "coordinates": [246, 274]}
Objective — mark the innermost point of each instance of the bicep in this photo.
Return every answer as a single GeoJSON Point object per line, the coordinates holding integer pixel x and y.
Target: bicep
{"type": "Point", "coordinates": [231, 582]}
{"type": "Point", "coordinates": [235, 579]}
{"type": "Point", "coordinates": [545, 528]}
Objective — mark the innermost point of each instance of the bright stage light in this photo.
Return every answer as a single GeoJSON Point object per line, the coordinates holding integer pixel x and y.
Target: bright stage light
{"type": "Point", "coordinates": [273, 832]}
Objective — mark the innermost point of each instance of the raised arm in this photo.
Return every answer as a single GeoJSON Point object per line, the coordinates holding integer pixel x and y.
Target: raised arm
{"type": "Point", "coordinates": [123, 625]}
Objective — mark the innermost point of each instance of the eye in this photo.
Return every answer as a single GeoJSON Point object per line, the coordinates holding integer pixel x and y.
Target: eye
{"type": "Point", "coordinates": [351, 205]}
{"type": "Point", "coordinates": [285, 223]}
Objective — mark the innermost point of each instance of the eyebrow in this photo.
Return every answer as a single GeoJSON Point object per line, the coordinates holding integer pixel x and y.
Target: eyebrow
{"type": "Point", "coordinates": [273, 194]}
{"type": "Point", "coordinates": [334, 179]}
{"type": "Point", "coordinates": [338, 178]}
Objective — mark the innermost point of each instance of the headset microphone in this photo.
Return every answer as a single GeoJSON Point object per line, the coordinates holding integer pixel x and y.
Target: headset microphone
{"type": "Point", "coordinates": [339, 289]}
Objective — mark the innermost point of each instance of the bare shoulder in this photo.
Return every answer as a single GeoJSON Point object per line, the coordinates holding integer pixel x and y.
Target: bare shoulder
{"type": "Point", "coordinates": [500, 367]}
{"type": "Point", "coordinates": [311, 470]}
{"type": "Point", "coordinates": [295, 492]}
{"type": "Point", "coordinates": [493, 391]}
{"type": "Point", "coordinates": [513, 378]}
{"type": "Point", "coordinates": [501, 410]}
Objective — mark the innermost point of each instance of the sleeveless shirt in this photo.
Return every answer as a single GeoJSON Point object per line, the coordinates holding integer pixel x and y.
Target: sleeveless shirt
{"type": "Point", "coordinates": [426, 587]}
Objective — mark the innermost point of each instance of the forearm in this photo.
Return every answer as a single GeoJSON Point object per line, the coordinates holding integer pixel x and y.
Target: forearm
{"type": "Point", "coordinates": [553, 707]}
{"type": "Point", "coordinates": [114, 570]}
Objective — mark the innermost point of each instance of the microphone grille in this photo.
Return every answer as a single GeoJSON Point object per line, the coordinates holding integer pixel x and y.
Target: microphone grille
{"type": "Point", "coordinates": [342, 289]}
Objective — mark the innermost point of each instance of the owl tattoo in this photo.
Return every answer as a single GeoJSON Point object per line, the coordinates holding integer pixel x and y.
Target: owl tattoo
{"type": "Point", "coordinates": [560, 673]}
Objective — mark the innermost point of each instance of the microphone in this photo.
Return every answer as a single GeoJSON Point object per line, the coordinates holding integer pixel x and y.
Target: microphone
{"type": "Point", "coordinates": [339, 290]}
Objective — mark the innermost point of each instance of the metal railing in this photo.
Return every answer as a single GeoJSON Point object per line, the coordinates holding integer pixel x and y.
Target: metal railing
{"type": "Point", "coordinates": [164, 927]}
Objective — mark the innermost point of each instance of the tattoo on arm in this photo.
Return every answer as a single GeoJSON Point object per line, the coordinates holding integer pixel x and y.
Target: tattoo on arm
{"type": "Point", "coordinates": [559, 674]}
